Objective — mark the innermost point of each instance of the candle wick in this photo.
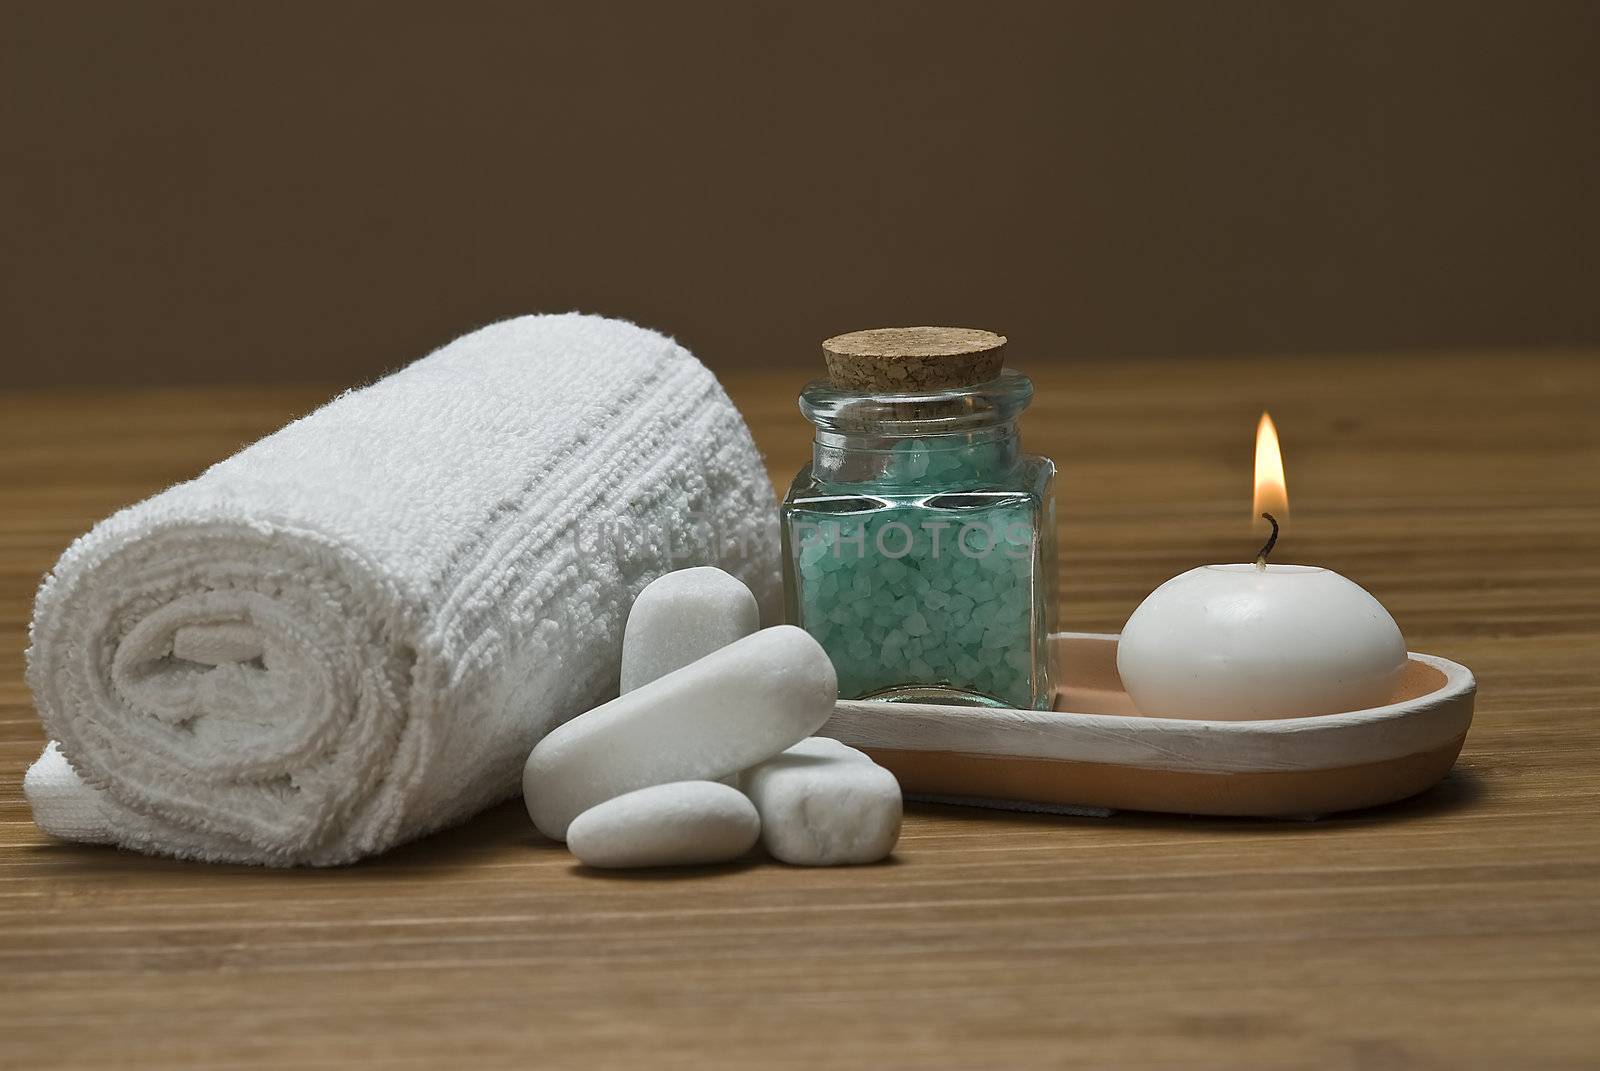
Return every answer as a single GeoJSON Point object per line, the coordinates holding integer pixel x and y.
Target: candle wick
{"type": "Point", "coordinates": [1272, 541]}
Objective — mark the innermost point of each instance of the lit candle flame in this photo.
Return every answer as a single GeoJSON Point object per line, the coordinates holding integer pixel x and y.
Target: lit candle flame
{"type": "Point", "coordinates": [1272, 492]}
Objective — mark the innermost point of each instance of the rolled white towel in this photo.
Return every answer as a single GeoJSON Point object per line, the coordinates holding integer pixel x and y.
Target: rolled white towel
{"type": "Point", "coordinates": [352, 632]}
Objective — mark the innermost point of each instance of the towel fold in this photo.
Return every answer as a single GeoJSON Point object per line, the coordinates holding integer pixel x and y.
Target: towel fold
{"type": "Point", "coordinates": [352, 632]}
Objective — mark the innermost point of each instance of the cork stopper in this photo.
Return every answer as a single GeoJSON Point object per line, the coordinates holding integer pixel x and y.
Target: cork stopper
{"type": "Point", "coordinates": [913, 358]}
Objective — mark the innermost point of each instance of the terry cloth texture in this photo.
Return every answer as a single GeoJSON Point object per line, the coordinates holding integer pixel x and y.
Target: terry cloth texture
{"type": "Point", "coordinates": [352, 632]}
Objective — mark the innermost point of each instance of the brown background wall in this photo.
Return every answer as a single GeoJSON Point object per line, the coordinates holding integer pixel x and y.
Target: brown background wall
{"type": "Point", "coordinates": [200, 192]}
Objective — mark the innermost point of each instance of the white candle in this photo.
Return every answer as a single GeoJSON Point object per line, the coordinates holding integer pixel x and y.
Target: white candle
{"type": "Point", "coordinates": [1238, 642]}
{"type": "Point", "coordinates": [1255, 640]}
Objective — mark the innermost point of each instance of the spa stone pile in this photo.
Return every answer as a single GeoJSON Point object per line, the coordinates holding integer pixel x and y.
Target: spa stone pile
{"type": "Point", "coordinates": [709, 746]}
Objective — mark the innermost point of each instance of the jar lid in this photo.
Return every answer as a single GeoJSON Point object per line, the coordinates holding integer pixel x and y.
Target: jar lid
{"type": "Point", "coordinates": [913, 358]}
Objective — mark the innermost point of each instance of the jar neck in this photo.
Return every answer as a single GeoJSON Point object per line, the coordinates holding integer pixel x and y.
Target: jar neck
{"type": "Point", "coordinates": [949, 438]}
{"type": "Point", "coordinates": [953, 458]}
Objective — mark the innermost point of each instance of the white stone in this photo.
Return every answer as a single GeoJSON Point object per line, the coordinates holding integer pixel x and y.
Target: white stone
{"type": "Point", "coordinates": [681, 617]}
{"type": "Point", "coordinates": [716, 716]}
{"type": "Point", "coordinates": [684, 823]}
{"type": "Point", "coordinates": [823, 803]}
{"type": "Point", "coordinates": [826, 747]}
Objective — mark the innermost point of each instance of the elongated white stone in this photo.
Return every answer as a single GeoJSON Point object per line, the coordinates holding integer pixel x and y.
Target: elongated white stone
{"type": "Point", "coordinates": [714, 717]}
{"type": "Point", "coordinates": [683, 616]}
{"type": "Point", "coordinates": [823, 803]}
{"type": "Point", "coordinates": [826, 747]}
{"type": "Point", "coordinates": [684, 823]}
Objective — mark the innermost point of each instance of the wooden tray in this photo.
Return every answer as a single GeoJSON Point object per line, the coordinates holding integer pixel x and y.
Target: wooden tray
{"type": "Point", "coordinates": [1094, 753]}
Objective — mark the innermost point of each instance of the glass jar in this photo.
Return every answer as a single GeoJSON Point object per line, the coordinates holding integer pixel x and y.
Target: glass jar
{"type": "Point", "coordinates": [919, 544]}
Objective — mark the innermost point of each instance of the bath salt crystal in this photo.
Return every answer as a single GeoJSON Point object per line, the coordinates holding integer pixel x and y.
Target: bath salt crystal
{"type": "Point", "coordinates": [823, 803]}
{"type": "Point", "coordinates": [718, 715]}
{"type": "Point", "coordinates": [683, 616]}
{"type": "Point", "coordinates": [683, 823]}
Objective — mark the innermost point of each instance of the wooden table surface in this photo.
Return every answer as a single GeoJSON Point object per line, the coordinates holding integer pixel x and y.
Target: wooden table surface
{"type": "Point", "coordinates": [1458, 928]}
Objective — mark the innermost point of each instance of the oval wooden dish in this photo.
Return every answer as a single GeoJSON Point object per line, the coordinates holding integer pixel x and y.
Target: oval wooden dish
{"type": "Point", "coordinates": [1095, 753]}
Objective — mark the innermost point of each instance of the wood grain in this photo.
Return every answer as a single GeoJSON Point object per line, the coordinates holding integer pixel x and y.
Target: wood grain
{"type": "Point", "coordinates": [1458, 928]}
